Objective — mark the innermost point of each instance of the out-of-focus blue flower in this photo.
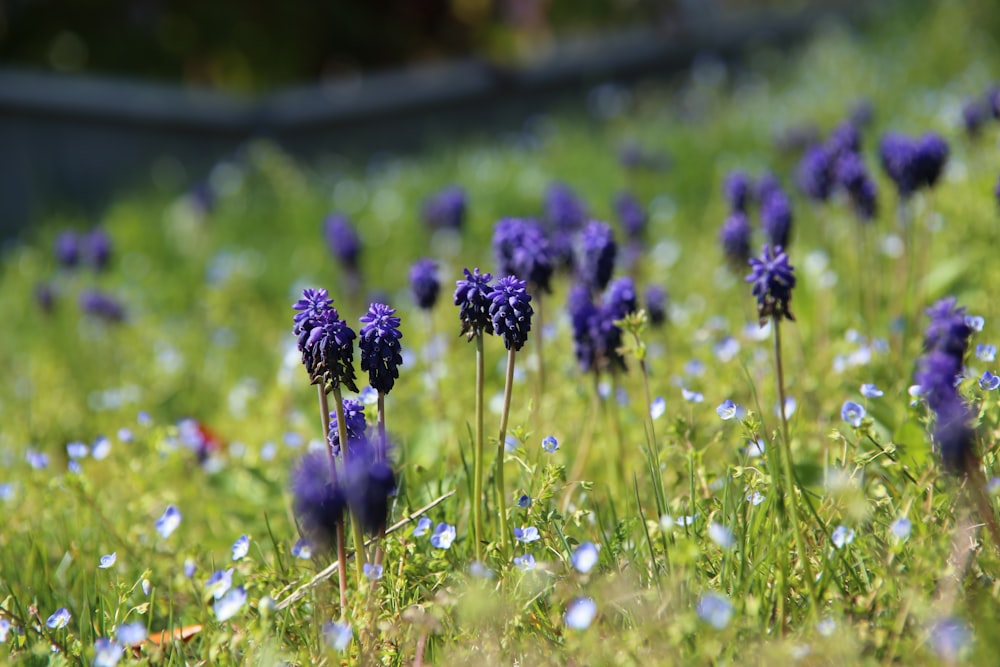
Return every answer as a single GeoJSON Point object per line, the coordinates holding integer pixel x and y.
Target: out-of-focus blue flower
{"type": "Point", "coordinates": [130, 634]}
{"type": "Point", "coordinates": [219, 583]}
{"type": "Point", "coordinates": [871, 391]}
{"type": "Point", "coordinates": [241, 547]}
{"type": "Point", "coordinates": [108, 560]}
{"type": "Point", "coordinates": [67, 249]}
{"type": "Point", "coordinates": [443, 537]}
{"type": "Point", "coordinates": [727, 410]}
{"type": "Point", "coordinates": [101, 305]}
{"type": "Point", "coordinates": [59, 618]}
{"type": "Point", "coordinates": [446, 208]}
{"type": "Point", "coordinates": [658, 407]}
{"type": "Point", "coordinates": [692, 396]}
{"type": "Point", "coordinates": [373, 572]}
{"type": "Point", "coordinates": [715, 609]}
{"type": "Point", "coordinates": [776, 219]}
{"type": "Point", "coordinates": [521, 249]}
{"type": "Point", "coordinates": [101, 448]}
{"type": "Point", "coordinates": [755, 498]}
{"type": "Point", "coordinates": [342, 240]}
{"type": "Point", "coordinates": [986, 352]}
{"type": "Point", "coordinates": [816, 173]}
{"type": "Point", "coordinates": [526, 535]}
{"type": "Point", "coordinates": [826, 627]}
{"type": "Point", "coordinates": [975, 322]}
{"type": "Point", "coordinates": [524, 502]}
{"type": "Point", "coordinates": [302, 549]}
{"type": "Point", "coordinates": [721, 535]}
{"type": "Point", "coordinates": [97, 247]}
{"type": "Point", "coordinates": [949, 638]}
{"type": "Point", "coordinates": [4, 629]}
{"type": "Point", "coordinates": [852, 413]}
{"type": "Point", "coordinates": [319, 501]}
{"type": "Point", "coordinates": [842, 536]}
{"type": "Point", "coordinates": [550, 444]}
{"type": "Point", "coordinates": [595, 257]}
{"type": "Point", "coordinates": [735, 237]}
{"type": "Point", "coordinates": [423, 525]}
{"type": "Point", "coordinates": [168, 522]}
{"type": "Point", "coordinates": [790, 406]}
{"type": "Point", "coordinates": [338, 635]}
{"type": "Point", "coordinates": [424, 283]}
{"type": "Point", "coordinates": [584, 557]}
{"type": "Point", "coordinates": [107, 652]}
{"type": "Point", "coordinates": [229, 604]}
{"type": "Point", "coordinates": [77, 450]}
{"type": "Point", "coordinates": [901, 528]}
{"type": "Point", "coordinates": [656, 304]}
{"type": "Point", "coordinates": [580, 613]}
{"type": "Point", "coordinates": [631, 215]}
{"type": "Point", "coordinates": [737, 188]}
{"type": "Point", "coordinates": [989, 381]}
{"type": "Point", "coordinates": [189, 567]}
{"type": "Point", "coordinates": [525, 563]}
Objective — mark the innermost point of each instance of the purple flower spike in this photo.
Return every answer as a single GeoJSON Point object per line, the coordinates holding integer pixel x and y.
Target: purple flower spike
{"type": "Point", "coordinates": [596, 255]}
{"type": "Point", "coordinates": [510, 311]}
{"type": "Point", "coordinates": [319, 501]}
{"type": "Point", "coordinates": [631, 215]}
{"type": "Point", "coordinates": [845, 140]}
{"type": "Point", "coordinates": [563, 207]}
{"type": "Point", "coordinates": [773, 279]}
{"type": "Point", "coordinates": [380, 348]}
{"type": "Point", "coordinates": [354, 419]}
{"type": "Point", "coordinates": [776, 218]}
{"type": "Point", "coordinates": [325, 340]}
{"type": "Point", "coordinates": [852, 175]}
{"type": "Point", "coordinates": [446, 209]}
{"type": "Point", "coordinates": [816, 173]}
{"type": "Point", "coordinates": [898, 154]}
{"type": "Point", "coordinates": [735, 239]}
{"type": "Point", "coordinates": [102, 306]}
{"type": "Point", "coordinates": [472, 296]}
{"type": "Point", "coordinates": [343, 240]}
{"type": "Point", "coordinates": [620, 298]}
{"type": "Point", "coordinates": [521, 249]}
{"type": "Point", "coordinates": [97, 249]}
{"type": "Point", "coordinates": [974, 114]}
{"type": "Point", "coordinates": [67, 249]}
{"type": "Point", "coordinates": [737, 188]}
{"type": "Point", "coordinates": [656, 305]}
{"type": "Point", "coordinates": [424, 283]}
{"type": "Point", "coordinates": [369, 484]}
{"type": "Point", "coordinates": [932, 154]}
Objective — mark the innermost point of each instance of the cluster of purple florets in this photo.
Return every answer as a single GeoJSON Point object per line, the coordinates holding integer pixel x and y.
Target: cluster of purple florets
{"type": "Point", "coordinates": [486, 308]}
{"type": "Point", "coordinates": [837, 165]}
{"type": "Point", "coordinates": [913, 163]}
{"type": "Point", "coordinates": [325, 340]}
{"type": "Point", "coordinates": [939, 369]}
{"type": "Point", "coordinates": [72, 250]}
{"type": "Point", "coordinates": [773, 279]}
{"type": "Point", "coordinates": [92, 249]}
{"type": "Point", "coordinates": [978, 110]}
{"type": "Point", "coordinates": [381, 353]}
{"type": "Point", "coordinates": [736, 232]}
{"type": "Point", "coordinates": [446, 209]}
{"type": "Point", "coordinates": [521, 249]}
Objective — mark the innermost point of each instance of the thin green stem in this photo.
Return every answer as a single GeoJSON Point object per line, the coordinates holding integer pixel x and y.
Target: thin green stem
{"type": "Point", "coordinates": [324, 412]}
{"type": "Point", "coordinates": [790, 481]}
{"type": "Point", "coordinates": [360, 557]}
{"type": "Point", "coordinates": [501, 491]}
{"type": "Point", "coordinates": [478, 453]}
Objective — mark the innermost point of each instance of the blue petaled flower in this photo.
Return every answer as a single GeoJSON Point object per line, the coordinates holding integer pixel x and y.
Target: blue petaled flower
{"type": "Point", "coordinates": [737, 188]}
{"type": "Point", "coordinates": [550, 444]}
{"type": "Point", "coordinates": [734, 235]}
{"type": "Point", "coordinates": [59, 619]}
{"type": "Point", "coordinates": [355, 424]}
{"type": "Point", "coordinates": [852, 413]}
{"type": "Point", "coordinates": [446, 208]}
{"type": "Point", "coordinates": [526, 535]}
{"type": "Point", "coordinates": [443, 537]}
{"type": "Point", "coordinates": [721, 535]}
{"type": "Point", "coordinates": [241, 547]}
{"type": "Point", "coordinates": [773, 279]}
{"type": "Point", "coordinates": [510, 311]}
{"type": "Point", "coordinates": [168, 522]}
{"type": "Point", "coordinates": [373, 572]}
{"type": "Point", "coordinates": [423, 525]}
{"type": "Point", "coordinates": [595, 257]}
{"type": "Point", "coordinates": [842, 536]}
{"type": "Point", "coordinates": [692, 396]}
{"type": "Point", "coordinates": [325, 340]}
{"type": "Point", "coordinates": [229, 604]}
{"type": "Point", "coordinates": [715, 609]}
{"type": "Point", "coordinates": [871, 391]}
{"type": "Point", "coordinates": [726, 410]}
{"type": "Point", "coordinates": [989, 381]}
{"type": "Point", "coordinates": [77, 450]}
{"type": "Point", "coordinates": [342, 240]}
{"type": "Point", "coordinates": [986, 352]}
{"type": "Point", "coordinates": [525, 562]}
{"type": "Point", "coordinates": [975, 322]}
{"type": "Point", "coordinates": [901, 528]}
{"type": "Point", "coordinates": [130, 634]}
{"type": "Point", "coordinates": [472, 296]}
{"type": "Point", "coordinates": [584, 557]}
{"type": "Point", "coordinates": [219, 583]}
{"type": "Point", "coordinates": [319, 501]}
{"type": "Point", "coordinates": [521, 249]}
{"type": "Point", "coordinates": [108, 561]}
{"type": "Point", "coordinates": [949, 637]}
{"type": "Point", "coordinates": [524, 502]}
{"type": "Point", "coordinates": [380, 347]}
{"type": "Point", "coordinates": [338, 635]}
{"type": "Point", "coordinates": [424, 283]}
{"type": "Point", "coordinates": [596, 338]}
{"type": "Point", "coordinates": [107, 652]}
{"type": "Point", "coordinates": [302, 549]}
{"type": "Point", "coordinates": [580, 614]}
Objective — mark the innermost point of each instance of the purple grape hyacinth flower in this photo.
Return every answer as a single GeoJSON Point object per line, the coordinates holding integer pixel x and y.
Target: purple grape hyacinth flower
{"type": "Point", "coordinates": [898, 154]}
{"type": "Point", "coordinates": [472, 296]}
{"type": "Point", "coordinates": [773, 279]}
{"type": "Point", "coordinates": [97, 249]}
{"type": "Point", "coordinates": [446, 208]}
{"type": "Point", "coordinates": [631, 215]}
{"type": "Point", "coordinates": [735, 239]}
{"type": "Point", "coordinates": [325, 340]}
{"type": "Point", "coordinates": [776, 218]}
{"type": "Point", "coordinates": [354, 420]}
{"type": "Point", "coordinates": [596, 254]}
{"type": "Point", "coordinates": [620, 298]}
{"type": "Point", "coordinates": [815, 173]}
{"type": "Point", "coordinates": [656, 304]}
{"type": "Point", "coordinates": [510, 311]}
{"type": "Point", "coordinates": [424, 283]}
{"type": "Point", "coordinates": [66, 249]}
{"type": "Point", "coordinates": [369, 483]}
{"type": "Point", "coordinates": [101, 305]}
{"type": "Point", "coordinates": [737, 188]}
{"type": "Point", "coordinates": [319, 501]}
{"type": "Point", "coordinates": [521, 249]}
{"type": "Point", "coordinates": [342, 240]}
{"type": "Point", "coordinates": [974, 114]}
{"type": "Point", "coordinates": [852, 175]}
{"type": "Point", "coordinates": [932, 154]}
{"type": "Point", "coordinates": [380, 348]}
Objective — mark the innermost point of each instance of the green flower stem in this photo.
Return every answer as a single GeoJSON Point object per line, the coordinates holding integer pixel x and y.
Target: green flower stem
{"type": "Point", "coordinates": [478, 453]}
{"type": "Point", "coordinates": [790, 481]}
{"type": "Point", "coordinates": [501, 491]}
{"type": "Point", "coordinates": [324, 411]}
{"type": "Point", "coordinates": [539, 339]}
{"type": "Point", "coordinates": [380, 452]}
{"type": "Point", "coordinates": [360, 557]}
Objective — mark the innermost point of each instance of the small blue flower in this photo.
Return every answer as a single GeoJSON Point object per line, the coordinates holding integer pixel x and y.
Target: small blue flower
{"type": "Point", "coordinates": [373, 572]}
{"type": "Point", "coordinates": [790, 406]}
{"type": "Point", "coordinates": [658, 407]}
{"type": "Point", "coordinates": [524, 502]}
{"type": "Point", "coordinates": [975, 322]}
{"type": "Point", "coordinates": [77, 450]}
{"type": "Point", "coordinates": [241, 547]}
{"type": "Point", "coordinates": [227, 606]}
{"type": "Point", "coordinates": [525, 562]}
{"type": "Point", "coordinates": [7, 491]}
{"type": "Point", "coordinates": [721, 535]}
{"type": "Point", "coordinates": [169, 522]}
{"type": "Point", "coordinates": [715, 609]}
{"type": "Point", "coordinates": [986, 352]}
{"type": "Point", "coordinates": [4, 629]}
{"type": "Point", "coordinates": [444, 535]}
{"type": "Point", "coordinates": [852, 413]}
{"type": "Point", "coordinates": [550, 444]}
{"type": "Point", "coordinates": [755, 448]}
{"type": "Point", "coordinates": [101, 448]}
{"type": "Point", "coordinates": [580, 614]}
{"type": "Point", "coordinates": [108, 560]}
{"type": "Point", "coordinates": [755, 498]}
{"type": "Point", "coordinates": [423, 525]}
{"type": "Point", "coordinates": [147, 587]}
{"type": "Point", "coordinates": [826, 627]}
{"type": "Point", "coordinates": [74, 467]}
{"type": "Point", "coordinates": [189, 567]}
{"type": "Point", "coordinates": [692, 396]}
{"type": "Point", "coordinates": [338, 636]}
{"type": "Point", "coordinates": [59, 619]}
{"type": "Point", "coordinates": [130, 634]}
{"type": "Point", "coordinates": [219, 583]}
{"type": "Point", "coordinates": [125, 435]}
{"type": "Point", "coordinates": [871, 391]}
{"type": "Point", "coordinates": [989, 381]}
{"type": "Point", "coordinates": [480, 571]}
{"type": "Point", "coordinates": [584, 557]}
{"type": "Point", "coordinates": [695, 367]}
{"type": "Point", "coordinates": [726, 349]}
{"type": "Point", "coordinates": [107, 653]}
{"type": "Point", "coordinates": [526, 535]}
{"type": "Point", "coordinates": [901, 528]}
{"type": "Point", "coordinates": [37, 460]}
{"type": "Point", "coordinates": [726, 410]}
{"type": "Point", "coordinates": [368, 395]}
{"type": "Point", "coordinates": [842, 536]}
{"type": "Point", "coordinates": [950, 637]}
{"type": "Point", "coordinates": [302, 549]}
{"type": "Point", "coordinates": [510, 444]}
